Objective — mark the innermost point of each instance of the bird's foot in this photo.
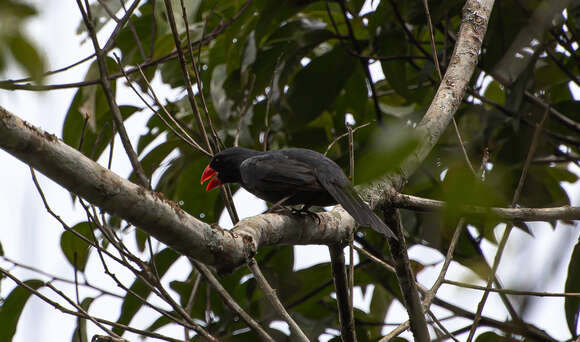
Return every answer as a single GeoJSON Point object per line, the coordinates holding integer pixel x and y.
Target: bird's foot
{"type": "Point", "coordinates": [278, 210]}
{"type": "Point", "coordinates": [305, 211]}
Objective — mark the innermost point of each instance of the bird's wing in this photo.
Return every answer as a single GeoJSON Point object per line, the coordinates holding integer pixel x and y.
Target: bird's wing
{"type": "Point", "coordinates": [344, 193]}
{"type": "Point", "coordinates": [278, 173]}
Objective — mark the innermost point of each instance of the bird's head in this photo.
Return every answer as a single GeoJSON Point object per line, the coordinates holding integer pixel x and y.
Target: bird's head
{"type": "Point", "coordinates": [224, 167]}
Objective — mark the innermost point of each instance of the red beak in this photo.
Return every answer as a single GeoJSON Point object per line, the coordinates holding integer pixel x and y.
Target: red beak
{"type": "Point", "coordinates": [207, 174]}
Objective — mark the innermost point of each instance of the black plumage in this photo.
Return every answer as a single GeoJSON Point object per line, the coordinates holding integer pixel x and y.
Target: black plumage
{"type": "Point", "coordinates": [291, 177]}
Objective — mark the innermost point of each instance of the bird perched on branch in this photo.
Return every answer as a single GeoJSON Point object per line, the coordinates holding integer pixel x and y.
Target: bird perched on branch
{"type": "Point", "coordinates": [291, 177]}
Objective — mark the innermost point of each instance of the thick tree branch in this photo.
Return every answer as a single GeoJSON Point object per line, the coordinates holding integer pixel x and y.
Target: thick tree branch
{"type": "Point", "coordinates": [447, 99]}
{"type": "Point", "coordinates": [153, 213]}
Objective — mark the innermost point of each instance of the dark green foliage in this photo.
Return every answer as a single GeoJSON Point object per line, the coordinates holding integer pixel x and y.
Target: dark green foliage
{"type": "Point", "coordinates": [76, 249]}
{"type": "Point", "coordinates": [284, 72]}
{"type": "Point", "coordinates": [15, 44]}
{"type": "Point", "coordinates": [12, 307]}
{"type": "Point", "coordinates": [572, 304]}
{"type": "Point", "coordinates": [283, 69]}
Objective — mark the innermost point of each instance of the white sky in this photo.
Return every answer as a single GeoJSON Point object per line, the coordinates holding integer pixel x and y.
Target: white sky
{"type": "Point", "coordinates": [30, 236]}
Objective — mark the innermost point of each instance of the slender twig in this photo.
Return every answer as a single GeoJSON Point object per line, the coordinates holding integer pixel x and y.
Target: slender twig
{"type": "Point", "coordinates": [191, 300]}
{"type": "Point", "coordinates": [82, 315]}
{"type": "Point", "coordinates": [509, 227]}
{"type": "Point", "coordinates": [106, 86]}
{"type": "Point", "coordinates": [512, 292]}
{"type": "Point", "coordinates": [351, 239]}
{"type": "Point", "coordinates": [196, 71]}
{"type": "Point", "coordinates": [180, 132]}
{"type": "Point", "coordinates": [428, 298]}
{"type": "Point", "coordinates": [345, 135]}
{"type": "Point", "coordinates": [230, 301]}
{"type": "Point", "coordinates": [275, 301]}
{"type": "Point", "coordinates": [441, 326]}
{"type": "Point", "coordinates": [364, 61]}
{"type": "Point", "coordinates": [80, 309]}
{"type": "Point", "coordinates": [186, 78]}
{"type": "Point", "coordinates": [345, 314]}
{"type": "Point", "coordinates": [134, 33]}
{"type": "Point", "coordinates": [438, 68]}
{"type": "Point", "coordinates": [406, 277]}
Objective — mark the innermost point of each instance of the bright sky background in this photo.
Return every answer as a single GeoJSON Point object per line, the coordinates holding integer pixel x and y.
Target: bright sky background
{"type": "Point", "coordinates": [30, 236]}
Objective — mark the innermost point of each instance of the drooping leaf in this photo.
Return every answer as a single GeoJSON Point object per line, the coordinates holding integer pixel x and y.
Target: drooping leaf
{"type": "Point", "coordinates": [75, 249]}
{"type": "Point", "coordinates": [572, 304]}
{"type": "Point", "coordinates": [385, 153]}
{"type": "Point", "coordinates": [317, 85]}
{"type": "Point", "coordinates": [12, 307]}
{"type": "Point", "coordinates": [27, 56]}
{"type": "Point", "coordinates": [80, 332]}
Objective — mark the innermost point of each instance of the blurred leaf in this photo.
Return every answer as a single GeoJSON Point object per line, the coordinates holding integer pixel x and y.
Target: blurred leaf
{"type": "Point", "coordinates": [219, 97]}
{"type": "Point", "coordinates": [90, 104]}
{"type": "Point", "coordinates": [495, 92]}
{"type": "Point", "coordinates": [490, 336]}
{"type": "Point", "coordinates": [572, 304]}
{"type": "Point", "coordinates": [80, 332]}
{"type": "Point", "coordinates": [27, 56]}
{"type": "Point", "coordinates": [74, 248]}
{"type": "Point", "coordinates": [380, 303]}
{"type": "Point", "coordinates": [12, 307]}
{"type": "Point", "coordinates": [387, 149]}
{"type": "Point", "coordinates": [317, 86]}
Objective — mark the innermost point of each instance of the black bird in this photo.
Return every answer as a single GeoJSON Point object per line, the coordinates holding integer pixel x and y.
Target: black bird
{"type": "Point", "coordinates": [291, 177]}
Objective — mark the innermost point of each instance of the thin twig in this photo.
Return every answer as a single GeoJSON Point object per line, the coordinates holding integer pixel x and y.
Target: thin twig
{"type": "Point", "coordinates": [364, 61]}
{"type": "Point", "coordinates": [441, 326]}
{"type": "Point", "coordinates": [106, 86]}
{"type": "Point", "coordinates": [509, 227]}
{"type": "Point", "coordinates": [512, 292]}
{"type": "Point", "coordinates": [345, 314]}
{"type": "Point", "coordinates": [448, 257]}
{"type": "Point", "coordinates": [438, 68]}
{"type": "Point", "coordinates": [186, 79]}
{"type": "Point", "coordinates": [196, 71]}
{"type": "Point", "coordinates": [83, 311]}
{"type": "Point", "coordinates": [351, 239]}
{"type": "Point", "coordinates": [345, 135]}
{"type": "Point", "coordinates": [406, 277]}
{"type": "Point", "coordinates": [230, 301]}
{"type": "Point", "coordinates": [180, 132]}
{"type": "Point", "coordinates": [82, 315]}
{"type": "Point", "coordinates": [191, 300]}
{"type": "Point", "coordinates": [275, 301]}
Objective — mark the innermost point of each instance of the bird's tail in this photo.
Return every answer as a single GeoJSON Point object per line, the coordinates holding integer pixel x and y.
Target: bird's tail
{"type": "Point", "coordinates": [359, 210]}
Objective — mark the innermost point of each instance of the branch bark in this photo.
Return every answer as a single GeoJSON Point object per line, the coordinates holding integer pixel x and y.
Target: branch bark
{"type": "Point", "coordinates": [160, 217]}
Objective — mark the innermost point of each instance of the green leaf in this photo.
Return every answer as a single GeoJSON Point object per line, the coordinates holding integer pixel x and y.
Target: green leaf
{"type": "Point", "coordinates": [572, 304]}
{"type": "Point", "coordinates": [490, 336]}
{"type": "Point", "coordinates": [316, 87]}
{"type": "Point", "coordinates": [80, 332]}
{"type": "Point", "coordinates": [27, 56]}
{"type": "Point", "coordinates": [380, 304]}
{"type": "Point", "coordinates": [74, 248]}
{"type": "Point", "coordinates": [387, 149]}
{"type": "Point", "coordinates": [495, 92]}
{"type": "Point", "coordinates": [219, 96]}
{"type": "Point", "coordinates": [12, 307]}
{"type": "Point", "coordinates": [90, 104]}
{"type": "Point", "coordinates": [132, 304]}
